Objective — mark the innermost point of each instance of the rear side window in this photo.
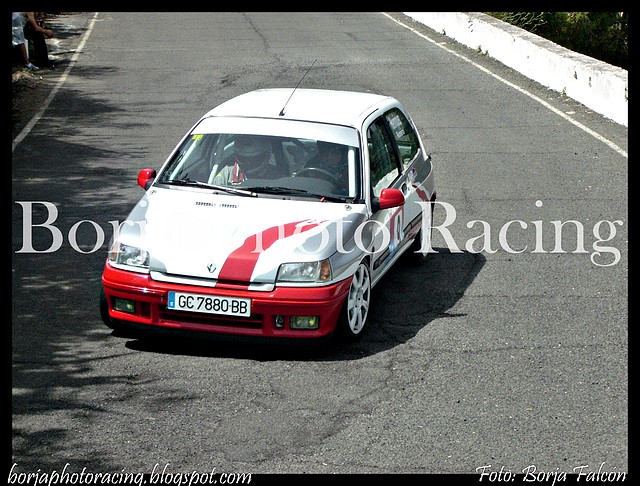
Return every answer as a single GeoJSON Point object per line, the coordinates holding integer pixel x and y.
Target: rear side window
{"type": "Point", "coordinates": [405, 135]}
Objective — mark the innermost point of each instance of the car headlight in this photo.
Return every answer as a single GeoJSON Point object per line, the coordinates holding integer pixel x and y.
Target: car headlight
{"type": "Point", "coordinates": [130, 256]}
{"type": "Point", "coordinates": [319, 271]}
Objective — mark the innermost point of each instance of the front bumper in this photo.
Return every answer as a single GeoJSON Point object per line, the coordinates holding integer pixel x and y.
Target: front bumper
{"type": "Point", "coordinates": [270, 311]}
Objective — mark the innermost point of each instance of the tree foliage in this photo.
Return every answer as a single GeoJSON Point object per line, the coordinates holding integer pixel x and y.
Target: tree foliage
{"type": "Point", "coordinates": [601, 35]}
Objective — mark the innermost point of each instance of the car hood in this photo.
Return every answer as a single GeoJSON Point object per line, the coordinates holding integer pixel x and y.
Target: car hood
{"type": "Point", "coordinates": [200, 234]}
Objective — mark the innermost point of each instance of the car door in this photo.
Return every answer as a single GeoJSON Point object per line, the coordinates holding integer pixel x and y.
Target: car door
{"type": "Point", "coordinates": [384, 171]}
{"type": "Point", "coordinates": [415, 168]}
{"type": "Point", "coordinates": [396, 160]}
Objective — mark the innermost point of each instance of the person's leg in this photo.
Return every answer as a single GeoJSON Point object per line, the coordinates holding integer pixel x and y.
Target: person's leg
{"type": "Point", "coordinates": [40, 50]}
{"type": "Point", "coordinates": [25, 57]}
{"type": "Point", "coordinates": [24, 52]}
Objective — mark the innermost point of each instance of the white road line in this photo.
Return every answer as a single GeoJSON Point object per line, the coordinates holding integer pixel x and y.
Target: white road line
{"type": "Point", "coordinates": [25, 131]}
{"type": "Point", "coordinates": [518, 88]}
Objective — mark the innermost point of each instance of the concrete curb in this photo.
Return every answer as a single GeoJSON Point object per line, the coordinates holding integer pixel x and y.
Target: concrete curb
{"type": "Point", "coordinates": [596, 84]}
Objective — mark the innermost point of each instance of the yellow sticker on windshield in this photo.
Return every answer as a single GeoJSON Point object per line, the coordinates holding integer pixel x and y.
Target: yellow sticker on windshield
{"type": "Point", "coordinates": [196, 137]}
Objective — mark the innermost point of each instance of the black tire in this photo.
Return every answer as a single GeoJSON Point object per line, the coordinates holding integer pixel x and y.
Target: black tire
{"type": "Point", "coordinates": [417, 256]}
{"type": "Point", "coordinates": [355, 309]}
{"type": "Point", "coordinates": [104, 309]}
{"type": "Point", "coordinates": [118, 327]}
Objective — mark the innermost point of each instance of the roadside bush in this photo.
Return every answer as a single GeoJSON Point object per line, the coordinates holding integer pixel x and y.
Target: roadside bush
{"type": "Point", "coordinates": [601, 35]}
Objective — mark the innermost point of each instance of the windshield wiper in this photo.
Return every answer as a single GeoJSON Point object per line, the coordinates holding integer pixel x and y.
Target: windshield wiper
{"type": "Point", "coordinates": [206, 185]}
{"type": "Point", "coordinates": [276, 190]}
{"type": "Point", "coordinates": [295, 192]}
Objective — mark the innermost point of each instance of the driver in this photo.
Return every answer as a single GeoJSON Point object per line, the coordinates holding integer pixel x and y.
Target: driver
{"type": "Point", "coordinates": [252, 160]}
{"type": "Point", "coordinates": [332, 157]}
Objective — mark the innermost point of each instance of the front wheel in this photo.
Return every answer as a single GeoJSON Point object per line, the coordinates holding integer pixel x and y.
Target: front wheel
{"type": "Point", "coordinates": [356, 305]}
{"type": "Point", "coordinates": [104, 309]}
{"type": "Point", "coordinates": [113, 324]}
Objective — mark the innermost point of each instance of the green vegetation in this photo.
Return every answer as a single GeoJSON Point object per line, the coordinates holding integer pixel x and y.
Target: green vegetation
{"type": "Point", "coordinates": [601, 35]}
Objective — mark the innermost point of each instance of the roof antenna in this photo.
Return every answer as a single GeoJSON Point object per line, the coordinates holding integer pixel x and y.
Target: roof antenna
{"type": "Point", "coordinates": [294, 89]}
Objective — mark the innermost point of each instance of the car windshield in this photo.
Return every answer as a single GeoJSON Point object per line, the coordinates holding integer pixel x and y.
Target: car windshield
{"type": "Point", "coordinates": [311, 164]}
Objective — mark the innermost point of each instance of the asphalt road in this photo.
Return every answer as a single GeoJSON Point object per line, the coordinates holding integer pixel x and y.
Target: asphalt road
{"type": "Point", "coordinates": [510, 354]}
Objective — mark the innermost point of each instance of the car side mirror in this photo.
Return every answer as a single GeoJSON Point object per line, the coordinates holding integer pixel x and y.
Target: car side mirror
{"type": "Point", "coordinates": [389, 198]}
{"type": "Point", "coordinates": [146, 177]}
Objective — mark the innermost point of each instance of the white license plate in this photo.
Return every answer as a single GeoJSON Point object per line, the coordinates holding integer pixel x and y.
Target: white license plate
{"type": "Point", "coordinates": [210, 304]}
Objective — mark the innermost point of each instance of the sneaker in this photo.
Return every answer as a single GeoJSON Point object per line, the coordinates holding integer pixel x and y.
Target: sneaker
{"type": "Point", "coordinates": [31, 67]}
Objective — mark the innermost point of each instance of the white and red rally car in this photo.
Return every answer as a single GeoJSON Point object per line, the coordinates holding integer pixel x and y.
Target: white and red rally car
{"type": "Point", "coordinates": [273, 217]}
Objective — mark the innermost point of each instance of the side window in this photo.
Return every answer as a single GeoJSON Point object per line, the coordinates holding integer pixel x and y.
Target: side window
{"type": "Point", "coordinates": [405, 135]}
{"type": "Point", "coordinates": [382, 157]}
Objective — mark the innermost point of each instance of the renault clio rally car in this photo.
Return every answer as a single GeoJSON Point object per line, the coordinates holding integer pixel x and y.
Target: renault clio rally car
{"type": "Point", "coordinates": [286, 247]}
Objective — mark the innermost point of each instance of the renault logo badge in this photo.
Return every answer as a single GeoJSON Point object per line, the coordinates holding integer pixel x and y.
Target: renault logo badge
{"type": "Point", "coordinates": [212, 267]}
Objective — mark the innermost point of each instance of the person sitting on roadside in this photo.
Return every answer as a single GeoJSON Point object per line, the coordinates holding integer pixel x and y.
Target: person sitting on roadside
{"type": "Point", "coordinates": [253, 159]}
{"type": "Point", "coordinates": [18, 21]}
{"type": "Point", "coordinates": [36, 30]}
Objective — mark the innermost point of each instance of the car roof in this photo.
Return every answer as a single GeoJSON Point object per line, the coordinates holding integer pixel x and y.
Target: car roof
{"type": "Point", "coordinates": [307, 104]}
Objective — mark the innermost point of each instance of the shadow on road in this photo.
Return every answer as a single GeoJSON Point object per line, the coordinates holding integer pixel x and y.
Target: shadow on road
{"type": "Point", "coordinates": [404, 302]}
